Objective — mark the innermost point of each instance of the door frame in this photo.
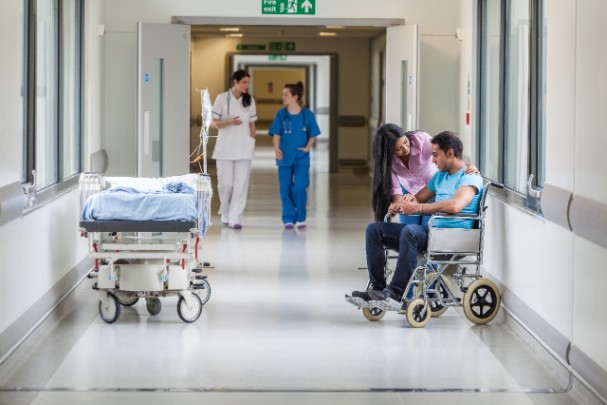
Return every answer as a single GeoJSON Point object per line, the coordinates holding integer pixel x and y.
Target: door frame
{"type": "Point", "coordinates": [302, 21]}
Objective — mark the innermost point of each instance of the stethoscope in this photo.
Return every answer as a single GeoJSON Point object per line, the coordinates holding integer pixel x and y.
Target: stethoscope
{"type": "Point", "coordinates": [287, 129]}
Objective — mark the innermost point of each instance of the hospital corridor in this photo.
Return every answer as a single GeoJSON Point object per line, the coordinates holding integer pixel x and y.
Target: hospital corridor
{"type": "Point", "coordinates": [277, 328]}
{"type": "Point", "coordinates": [318, 202]}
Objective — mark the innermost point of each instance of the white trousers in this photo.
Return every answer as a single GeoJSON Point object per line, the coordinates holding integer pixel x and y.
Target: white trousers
{"type": "Point", "coordinates": [232, 187]}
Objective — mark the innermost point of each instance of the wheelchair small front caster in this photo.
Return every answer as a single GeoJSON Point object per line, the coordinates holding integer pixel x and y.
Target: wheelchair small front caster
{"type": "Point", "coordinates": [373, 314]}
{"type": "Point", "coordinates": [418, 313]}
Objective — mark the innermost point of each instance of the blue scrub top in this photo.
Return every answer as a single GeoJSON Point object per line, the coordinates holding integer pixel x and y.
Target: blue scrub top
{"type": "Point", "coordinates": [294, 131]}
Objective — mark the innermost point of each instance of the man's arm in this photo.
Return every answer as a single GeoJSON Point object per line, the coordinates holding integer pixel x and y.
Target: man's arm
{"type": "Point", "coordinates": [461, 198]}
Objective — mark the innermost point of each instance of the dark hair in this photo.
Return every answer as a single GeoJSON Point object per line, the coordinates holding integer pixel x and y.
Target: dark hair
{"type": "Point", "coordinates": [238, 76]}
{"type": "Point", "coordinates": [448, 140]}
{"type": "Point", "coordinates": [296, 90]}
{"type": "Point", "coordinates": [384, 143]}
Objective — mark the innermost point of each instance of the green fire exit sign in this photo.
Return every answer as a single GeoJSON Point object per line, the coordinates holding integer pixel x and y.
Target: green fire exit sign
{"type": "Point", "coordinates": [306, 7]}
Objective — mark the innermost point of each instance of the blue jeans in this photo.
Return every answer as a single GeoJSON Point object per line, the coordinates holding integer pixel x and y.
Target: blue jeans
{"type": "Point", "coordinates": [407, 239]}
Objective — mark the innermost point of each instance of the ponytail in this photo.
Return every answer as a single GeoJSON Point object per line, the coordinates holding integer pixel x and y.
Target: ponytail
{"type": "Point", "coordinates": [238, 76]}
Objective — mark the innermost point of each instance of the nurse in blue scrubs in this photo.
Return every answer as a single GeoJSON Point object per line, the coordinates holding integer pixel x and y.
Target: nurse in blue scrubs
{"type": "Point", "coordinates": [294, 131]}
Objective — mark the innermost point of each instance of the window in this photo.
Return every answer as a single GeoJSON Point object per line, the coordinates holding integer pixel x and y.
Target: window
{"type": "Point", "coordinates": [511, 112]}
{"type": "Point", "coordinates": [52, 89]}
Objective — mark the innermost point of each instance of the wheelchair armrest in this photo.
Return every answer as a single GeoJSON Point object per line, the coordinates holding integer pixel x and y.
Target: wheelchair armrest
{"type": "Point", "coordinates": [459, 216]}
{"type": "Point", "coordinates": [389, 216]}
{"type": "Point", "coordinates": [444, 215]}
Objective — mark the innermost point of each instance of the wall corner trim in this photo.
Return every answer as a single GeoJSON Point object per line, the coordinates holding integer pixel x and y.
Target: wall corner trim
{"type": "Point", "coordinates": [589, 219]}
{"type": "Point", "coordinates": [555, 204]}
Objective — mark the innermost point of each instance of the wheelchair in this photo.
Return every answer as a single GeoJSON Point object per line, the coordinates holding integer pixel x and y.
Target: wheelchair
{"type": "Point", "coordinates": [443, 270]}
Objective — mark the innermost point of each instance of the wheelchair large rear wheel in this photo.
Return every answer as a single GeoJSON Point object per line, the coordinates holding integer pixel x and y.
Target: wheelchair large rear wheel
{"type": "Point", "coordinates": [481, 301]}
{"type": "Point", "coordinates": [416, 315]}
{"type": "Point", "coordinates": [373, 314]}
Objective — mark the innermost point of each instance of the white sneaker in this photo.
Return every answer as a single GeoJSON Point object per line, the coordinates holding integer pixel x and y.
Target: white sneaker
{"type": "Point", "coordinates": [300, 225]}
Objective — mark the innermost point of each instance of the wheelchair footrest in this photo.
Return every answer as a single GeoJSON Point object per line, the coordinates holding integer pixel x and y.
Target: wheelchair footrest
{"type": "Point", "coordinates": [386, 305]}
{"type": "Point", "coordinates": [358, 302]}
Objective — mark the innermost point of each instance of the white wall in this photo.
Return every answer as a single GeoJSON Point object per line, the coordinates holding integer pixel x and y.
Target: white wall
{"type": "Point", "coordinates": [43, 245]}
{"type": "Point", "coordinates": [590, 277]}
{"type": "Point", "coordinates": [556, 274]}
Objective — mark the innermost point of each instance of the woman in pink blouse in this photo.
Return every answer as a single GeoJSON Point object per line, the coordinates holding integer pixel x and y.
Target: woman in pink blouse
{"type": "Point", "coordinates": [402, 166]}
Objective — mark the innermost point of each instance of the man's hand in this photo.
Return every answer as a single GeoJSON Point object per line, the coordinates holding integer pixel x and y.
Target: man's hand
{"type": "Point", "coordinates": [409, 207]}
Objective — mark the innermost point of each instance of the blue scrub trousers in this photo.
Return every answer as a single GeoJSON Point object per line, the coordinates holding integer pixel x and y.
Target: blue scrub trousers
{"type": "Point", "coordinates": [294, 181]}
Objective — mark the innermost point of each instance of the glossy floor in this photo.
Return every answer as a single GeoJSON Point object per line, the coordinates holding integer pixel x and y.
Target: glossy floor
{"type": "Point", "coordinates": [277, 328]}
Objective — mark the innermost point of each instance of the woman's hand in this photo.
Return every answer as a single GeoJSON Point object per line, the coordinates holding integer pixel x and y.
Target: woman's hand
{"type": "Point", "coordinates": [394, 207]}
{"type": "Point", "coordinates": [235, 121]}
{"type": "Point", "coordinates": [471, 169]}
{"type": "Point", "coordinates": [410, 198]}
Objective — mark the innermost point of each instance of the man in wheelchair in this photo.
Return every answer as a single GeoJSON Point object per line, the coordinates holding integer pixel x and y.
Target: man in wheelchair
{"type": "Point", "coordinates": [454, 192]}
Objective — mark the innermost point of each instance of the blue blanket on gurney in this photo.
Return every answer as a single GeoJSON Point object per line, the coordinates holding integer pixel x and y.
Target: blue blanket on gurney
{"type": "Point", "coordinates": [176, 202]}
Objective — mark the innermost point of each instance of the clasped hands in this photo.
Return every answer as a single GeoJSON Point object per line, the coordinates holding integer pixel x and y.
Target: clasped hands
{"type": "Point", "coordinates": [408, 204]}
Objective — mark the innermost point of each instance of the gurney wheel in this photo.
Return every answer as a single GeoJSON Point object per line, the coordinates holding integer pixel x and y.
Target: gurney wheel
{"type": "Point", "coordinates": [481, 301]}
{"type": "Point", "coordinates": [373, 314]}
{"type": "Point", "coordinates": [110, 313]}
{"type": "Point", "coordinates": [205, 291]}
{"type": "Point", "coordinates": [129, 301]}
{"type": "Point", "coordinates": [414, 313]}
{"type": "Point", "coordinates": [153, 306]}
{"type": "Point", "coordinates": [189, 314]}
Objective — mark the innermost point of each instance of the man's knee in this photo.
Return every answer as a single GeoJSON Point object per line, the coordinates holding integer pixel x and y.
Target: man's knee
{"type": "Point", "coordinates": [414, 234]}
{"type": "Point", "coordinates": [372, 229]}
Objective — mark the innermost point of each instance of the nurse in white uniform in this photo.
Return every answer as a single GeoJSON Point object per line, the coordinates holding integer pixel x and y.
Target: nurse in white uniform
{"type": "Point", "coordinates": [234, 115]}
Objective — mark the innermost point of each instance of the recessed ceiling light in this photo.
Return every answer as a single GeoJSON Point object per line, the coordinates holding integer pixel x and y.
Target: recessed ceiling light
{"type": "Point", "coordinates": [335, 27]}
{"type": "Point", "coordinates": [229, 29]}
{"type": "Point", "coordinates": [327, 34]}
{"type": "Point", "coordinates": [234, 35]}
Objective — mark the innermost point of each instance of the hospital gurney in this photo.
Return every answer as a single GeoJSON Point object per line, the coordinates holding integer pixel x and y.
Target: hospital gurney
{"type": "Point", "coordinates": [146, 238]}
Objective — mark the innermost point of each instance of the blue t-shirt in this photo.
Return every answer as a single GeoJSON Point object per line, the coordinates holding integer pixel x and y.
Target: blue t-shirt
{"type": "Point", "coordinates": [294, 131]}
{"type": "Point", "coordinates": [444, 186]}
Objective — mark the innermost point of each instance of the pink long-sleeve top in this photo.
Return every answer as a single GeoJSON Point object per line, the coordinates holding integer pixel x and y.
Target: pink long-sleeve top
{"type": "Point", "coordinates": [420, 170]}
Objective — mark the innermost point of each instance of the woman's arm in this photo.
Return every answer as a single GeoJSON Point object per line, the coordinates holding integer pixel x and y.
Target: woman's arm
{"type": "Point", "coordinates": [276, 143]}
{"type": "Point", "coordinates": [309, 144]}
{"type": "Point", "coordinates": [252, 129]}
{"type": "Point", "coordinates": [227, 122]}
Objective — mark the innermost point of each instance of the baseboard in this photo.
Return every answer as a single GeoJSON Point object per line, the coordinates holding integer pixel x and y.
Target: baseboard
{"type": "Point", "coordinates": [586, 369]}
{"type": "Point", "coordinates": [589, 371]}
{"type": "Point", "coordinates": [19, 330]}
